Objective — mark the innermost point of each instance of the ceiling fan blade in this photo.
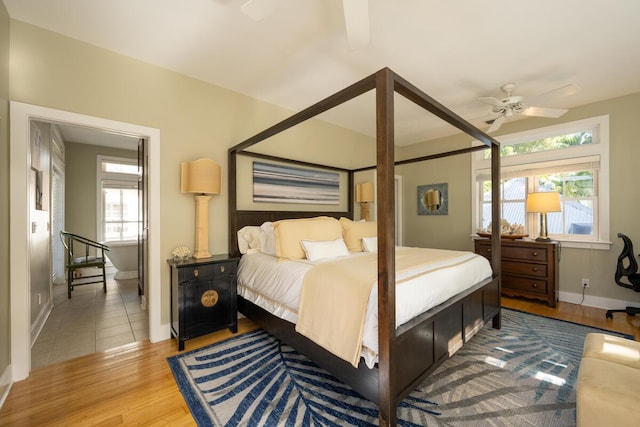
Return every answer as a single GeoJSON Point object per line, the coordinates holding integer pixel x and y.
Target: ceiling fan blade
{"type": "Point", "coordinates": [356, 19]}
{"type": "Point", "coordinates": [496, 124]}
{"type": "Point", "coordinates": [492, 101]}
{"type": "Point", "coordinates": [547, 97]}
{"type": "Point", "coordinates": [543, 112]}
{"type": "Point", "coordinates": [260, 9]}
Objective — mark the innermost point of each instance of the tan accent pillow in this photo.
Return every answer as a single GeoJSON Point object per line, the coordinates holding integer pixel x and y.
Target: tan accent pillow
{"type": "Point", "coordinates": [353, 232]}
{"type": "Point", "coordinates": [289, 233]}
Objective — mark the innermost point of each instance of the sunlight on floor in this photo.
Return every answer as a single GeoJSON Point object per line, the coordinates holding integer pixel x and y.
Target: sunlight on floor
{"type": "Point", "coordinates": [90, 321]}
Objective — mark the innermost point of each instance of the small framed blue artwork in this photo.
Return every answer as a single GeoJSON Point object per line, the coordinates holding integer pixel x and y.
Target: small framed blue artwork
{"type": "Point", "coordinates": [433, 199]}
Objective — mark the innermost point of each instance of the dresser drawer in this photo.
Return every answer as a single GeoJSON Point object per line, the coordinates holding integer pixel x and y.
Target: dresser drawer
{"type": "Point", "coordinates": [525, 268]}
{"type": "Point", "coordinates": [529, 268]}
{"type": "Point", "coordinates": [528, 254]}
{"type": "Point", "coordinates": [537, 286]}
{"type": "Point", "coordinates": [484, 250]}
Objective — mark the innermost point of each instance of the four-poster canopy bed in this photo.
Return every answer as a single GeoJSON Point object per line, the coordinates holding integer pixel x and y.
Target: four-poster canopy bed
{"type": "Point", "coordinates": [409, 353]}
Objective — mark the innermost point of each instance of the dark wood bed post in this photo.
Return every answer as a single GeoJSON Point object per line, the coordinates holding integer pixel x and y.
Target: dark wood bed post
{"type": "Point", "coordinates": [387, 387]}
{"type": "Point", "coordinates": [233, 203]}
{"type": "Point", "coordinates": [496, 256]}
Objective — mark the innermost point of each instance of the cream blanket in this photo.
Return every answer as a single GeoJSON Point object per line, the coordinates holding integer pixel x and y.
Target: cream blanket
{"type": "Point", "coordinates": [335, 294]}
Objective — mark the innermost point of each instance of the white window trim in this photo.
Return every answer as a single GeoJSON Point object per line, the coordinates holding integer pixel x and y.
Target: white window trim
{"type": "Point", "coordinates": [100, 175]}
{"type": "Point", "coordinates": [601, 149]}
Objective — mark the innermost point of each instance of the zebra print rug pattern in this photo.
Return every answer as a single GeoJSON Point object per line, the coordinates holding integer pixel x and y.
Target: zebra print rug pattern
{"type": "Point", "coordinates": [523, 374]}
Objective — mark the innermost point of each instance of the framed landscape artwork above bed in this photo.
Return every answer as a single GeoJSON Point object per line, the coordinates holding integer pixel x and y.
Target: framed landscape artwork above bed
{"type": "Point", "coordinates": [277, 183]}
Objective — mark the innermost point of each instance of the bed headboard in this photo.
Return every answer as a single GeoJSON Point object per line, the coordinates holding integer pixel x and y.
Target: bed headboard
{"type": "Point", "coordinates": [243, 218]}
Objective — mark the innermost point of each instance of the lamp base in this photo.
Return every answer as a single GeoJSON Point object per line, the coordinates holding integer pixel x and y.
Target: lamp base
{"type": "Point", "coordinates": [543, 239]}
{"type": "Point", "coordinates": [365, 210]}
{"type": "Point", "coordinates": [201, 254]}
{"type": "Point", "coordinates": [202, 227]}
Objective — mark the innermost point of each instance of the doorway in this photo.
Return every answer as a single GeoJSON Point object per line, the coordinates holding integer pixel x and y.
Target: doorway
{"type": "Point", "coordinates": [99, 173]}
{"type": "Point", "coordinates": [21, 115]}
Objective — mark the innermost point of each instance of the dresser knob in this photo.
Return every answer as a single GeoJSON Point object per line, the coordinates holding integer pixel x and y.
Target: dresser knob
{"type": "Point", "coordinates": [534, 285]}
{"type": "Point", "coordinates": [222, 269]}
{"type": "Point", "coordinates": [534, 269]}
{"type": "Point", "coordinates": [534, 253]}
{"type": "Point", "coordinates": [489, 250]}
{"type": "Point", "coordinates": [196, 272]}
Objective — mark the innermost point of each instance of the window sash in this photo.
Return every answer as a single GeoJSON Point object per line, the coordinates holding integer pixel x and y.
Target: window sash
{"type": "Point", "coordinates": [530, 221]}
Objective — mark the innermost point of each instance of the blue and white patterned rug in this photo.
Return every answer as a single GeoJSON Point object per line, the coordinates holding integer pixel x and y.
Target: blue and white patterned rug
{"type": "Point", "coordinates": [523, 374]}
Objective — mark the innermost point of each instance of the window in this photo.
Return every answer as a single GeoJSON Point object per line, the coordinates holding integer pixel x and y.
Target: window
{"type": "Point", "coordinates": [118, 199]}
{"type": "Point", "coordinates": [572, 159]}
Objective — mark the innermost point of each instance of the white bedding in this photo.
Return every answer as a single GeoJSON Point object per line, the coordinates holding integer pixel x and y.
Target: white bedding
{"type": "Point", "coordinates": [275, 285]}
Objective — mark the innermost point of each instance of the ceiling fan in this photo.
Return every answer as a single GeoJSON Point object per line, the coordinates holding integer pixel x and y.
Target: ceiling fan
{"type": "Point", "coordinates": [356, 17]}
{"type": "Point", "coordinates": [505, 108]}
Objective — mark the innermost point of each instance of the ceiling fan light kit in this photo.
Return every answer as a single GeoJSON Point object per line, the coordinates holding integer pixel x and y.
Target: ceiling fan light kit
{"type": "Point", "coordinates": [505, 108]}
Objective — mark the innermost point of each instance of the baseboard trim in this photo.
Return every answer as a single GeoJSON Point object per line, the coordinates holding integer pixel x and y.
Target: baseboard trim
{"type": "Point", "coordinates": [593, 301]}
{"type": "Point", "coordinates": [38, 324]}
{"type": "Point", "coordinates": [6, 381]}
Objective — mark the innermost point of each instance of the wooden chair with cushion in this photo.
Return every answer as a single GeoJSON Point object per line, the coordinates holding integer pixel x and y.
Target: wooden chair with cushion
{"type": "Point", "coordinates": [91, 255]}
{"type": "Point", "coordinates": [627, 268]}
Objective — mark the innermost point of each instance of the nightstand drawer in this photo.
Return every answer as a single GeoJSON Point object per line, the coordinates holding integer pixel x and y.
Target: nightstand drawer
{"type": "Point", "coordinates": [215, 271]}
{"type": "Point", "coordinates": [527, 254]}
{"type": "Point", "coordinates": [526, 268]}
{"type": "Point", "coordinates": [537, 286]}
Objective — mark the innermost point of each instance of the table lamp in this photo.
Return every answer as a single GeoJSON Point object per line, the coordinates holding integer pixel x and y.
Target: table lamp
{"type": "Point", "coordinates": [203, 178]}
{"type": "Point", "coordinates": [364, 196]}
{"type": "Point", "coordinates": [543, 203]}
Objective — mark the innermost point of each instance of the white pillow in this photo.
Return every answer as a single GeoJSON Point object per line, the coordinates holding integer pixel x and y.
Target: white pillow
{"type": "Point", "coordinates": [249, 239]}
{"type": "Point", "coordinates": [267, 239]}
{"type": "Point", "coordinates": [370, 244]}
{"type": "Point", "coordinates": [317, 250]}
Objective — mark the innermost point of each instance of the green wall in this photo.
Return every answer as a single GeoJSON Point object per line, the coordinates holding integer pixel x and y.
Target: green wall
{"type": "Point", "coordinates": [5, 341]}
{"type": "Point", "coordinates": [195, 120]}
{"type": "Point", "coordinates": [80, 215]}
{"type": "Point", "coordinates": [454, 231]}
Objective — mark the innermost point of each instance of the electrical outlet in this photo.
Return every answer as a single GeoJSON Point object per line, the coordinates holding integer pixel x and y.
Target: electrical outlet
{"type": "Point", "coordinates": [585, 282]}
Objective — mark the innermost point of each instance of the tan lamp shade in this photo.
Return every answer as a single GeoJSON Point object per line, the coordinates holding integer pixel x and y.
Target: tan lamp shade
{"type": "Point", "coordinates": [201, 176]}
{"type": "Point", "coordinates": [364, 192]}
{"type": "Point", "coordinates": [543, 202]}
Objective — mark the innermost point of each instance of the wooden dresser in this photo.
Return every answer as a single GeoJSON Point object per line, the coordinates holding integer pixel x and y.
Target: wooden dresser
{"type": "Point", "coordinates": [529, 268]}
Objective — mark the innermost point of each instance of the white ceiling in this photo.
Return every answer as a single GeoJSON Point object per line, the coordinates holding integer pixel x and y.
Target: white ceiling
{"type": "Point", "coordinates": [456, 51]}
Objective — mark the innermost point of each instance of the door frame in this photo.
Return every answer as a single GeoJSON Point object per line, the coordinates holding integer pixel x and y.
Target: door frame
{"type": "Point", "coordinates": [20, 116]}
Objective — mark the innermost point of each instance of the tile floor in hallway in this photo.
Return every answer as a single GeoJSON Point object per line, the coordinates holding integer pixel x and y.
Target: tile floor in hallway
{"type": "Point", "coordinates": [91, 321]}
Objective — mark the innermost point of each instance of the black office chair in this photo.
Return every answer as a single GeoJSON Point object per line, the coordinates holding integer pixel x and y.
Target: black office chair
{"type": "Point", "coordinates": [86, 260]}
{"type": "Point", "coordinates": [627, 267]}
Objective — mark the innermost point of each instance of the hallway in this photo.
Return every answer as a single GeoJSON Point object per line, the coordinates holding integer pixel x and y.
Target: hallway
{"type": "Point", "coordinates": [91, 321]}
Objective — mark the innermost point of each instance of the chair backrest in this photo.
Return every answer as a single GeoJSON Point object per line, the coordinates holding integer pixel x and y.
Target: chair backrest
{"type": "Point", "coordinates": [68, 240]}
{"type": "Point", "coordinates": [627, 264]}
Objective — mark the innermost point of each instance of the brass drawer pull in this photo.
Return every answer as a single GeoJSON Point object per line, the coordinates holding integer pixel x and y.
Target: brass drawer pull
{"type": "Point", "coordinates": [222, 269]}
{"type": "Point", "coordinates": [196, 272]}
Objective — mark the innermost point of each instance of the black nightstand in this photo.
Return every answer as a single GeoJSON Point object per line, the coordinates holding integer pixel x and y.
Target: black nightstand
{"type": "Point", "coordinates": [203, 296]}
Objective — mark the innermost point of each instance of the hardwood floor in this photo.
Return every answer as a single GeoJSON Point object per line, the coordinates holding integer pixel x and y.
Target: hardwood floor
{"type": "Point", "coordinates": [133, 384]}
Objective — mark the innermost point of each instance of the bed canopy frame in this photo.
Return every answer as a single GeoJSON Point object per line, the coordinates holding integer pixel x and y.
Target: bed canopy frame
{"type": "Point", "coordinates": [408, 354]}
